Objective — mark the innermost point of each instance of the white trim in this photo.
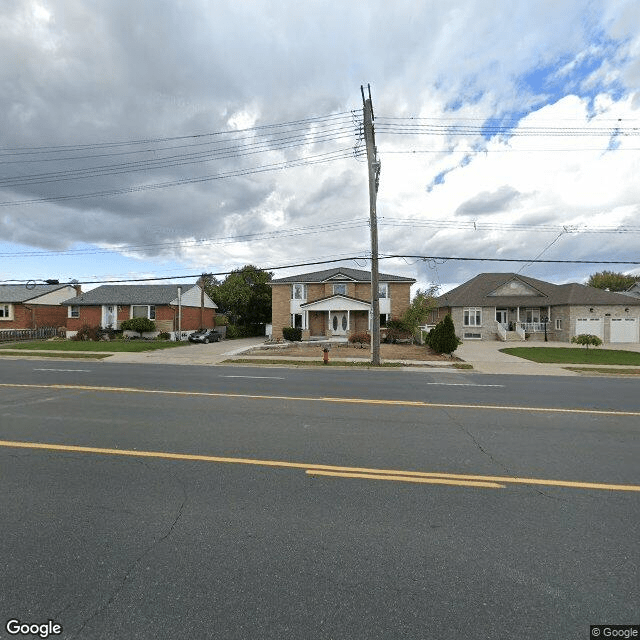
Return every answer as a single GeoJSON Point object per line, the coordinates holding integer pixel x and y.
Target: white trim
{"type": "Point", "coordinates": [8, 309]}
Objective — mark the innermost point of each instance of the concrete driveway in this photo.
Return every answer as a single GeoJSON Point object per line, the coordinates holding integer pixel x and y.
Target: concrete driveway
{"type": "Point", "coordinates": [486, 357]}
{"type": "Point", "coordinates": [203, 354]}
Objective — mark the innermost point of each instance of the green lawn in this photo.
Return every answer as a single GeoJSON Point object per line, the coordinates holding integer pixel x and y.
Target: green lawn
{"type": "Point", "coordinates": [566, 355]}
{"type": "Point", "coordinates": [112, 346]}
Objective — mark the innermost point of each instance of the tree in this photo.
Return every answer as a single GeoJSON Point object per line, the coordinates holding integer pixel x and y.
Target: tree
{"type": "Point", "coordinates": [244, 296]}
{"type": "Point", "coordinates": [611, 280]}
{"type": "Point", "coordinates": [442, 338]}
{"type": "Point", "coordinates": [421, 306]}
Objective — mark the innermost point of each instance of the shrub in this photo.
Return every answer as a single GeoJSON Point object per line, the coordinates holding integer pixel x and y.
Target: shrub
{"type": "Point", "coordinates": [360, 338]}
{"type": "Point", "coordinates": [587, 339]}
{"type": "Point", "coordinates": [164, 336]}
{"type": "Point", "coordinates": [442, 338]}
{"type": "Point", "coordinates": [140, 325]}
{"type": "Point", "coordinates": [292, 334]}
{"type": "Point", "coordinates": [88, 333]}
{"type": "Point", "coordinates": [222, 321]}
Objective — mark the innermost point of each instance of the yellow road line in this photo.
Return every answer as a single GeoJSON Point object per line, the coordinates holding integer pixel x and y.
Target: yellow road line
{"type": "Point", "coordinates": [399, 478]}
{"type": "Point", "coordinates": [399, 403]}
{"type": "Point", "coordinates": [387, 474]}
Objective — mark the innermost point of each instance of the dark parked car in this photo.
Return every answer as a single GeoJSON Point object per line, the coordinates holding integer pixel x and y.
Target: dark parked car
{"type": "Point", "coordinates": [205, 335]}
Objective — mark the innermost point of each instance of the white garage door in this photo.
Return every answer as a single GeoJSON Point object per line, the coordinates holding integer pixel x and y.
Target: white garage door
{"type": "Point", "coordinates": [593, 326]}
{"type": "Point", "coordinates": [624, 330]}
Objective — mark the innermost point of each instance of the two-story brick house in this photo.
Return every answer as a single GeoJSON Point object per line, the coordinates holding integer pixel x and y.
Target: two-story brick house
{"type": "Point", "coordinates": [335, 302]}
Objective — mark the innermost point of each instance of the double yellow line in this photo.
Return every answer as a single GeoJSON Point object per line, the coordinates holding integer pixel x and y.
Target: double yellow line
{"type": "Point", "coordinates": [420, 477]}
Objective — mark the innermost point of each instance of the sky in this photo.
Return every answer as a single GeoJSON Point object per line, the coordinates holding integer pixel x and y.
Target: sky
{"type": "Point", "coordinates": [159, 139]}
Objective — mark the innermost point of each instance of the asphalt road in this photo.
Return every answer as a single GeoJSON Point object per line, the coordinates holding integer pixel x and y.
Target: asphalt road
{"type": "Point", "coordinates": [248, 539]}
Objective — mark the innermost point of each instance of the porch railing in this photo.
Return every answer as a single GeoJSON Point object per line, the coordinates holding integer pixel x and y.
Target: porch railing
{"type": "Point", "coordinates": [532, 327]}
{"type": "Point", "coordinates": [502, 333]}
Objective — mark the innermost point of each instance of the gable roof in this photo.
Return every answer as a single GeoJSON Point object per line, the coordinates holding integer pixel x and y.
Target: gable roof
{"type": "Point", "coordinates": [478, 291]}
{"type": "Point", "coordinates": [20, 292]}
{"type": "Point", "coordinates": [156, 294]}
{"type": "Point", "coordinates": [340, 274]}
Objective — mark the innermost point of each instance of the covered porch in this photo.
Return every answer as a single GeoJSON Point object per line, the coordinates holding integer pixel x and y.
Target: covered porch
{"type": "Point", "coordinates": [335, 317]}
{"type": "Point", "coordinates": [521, 321]}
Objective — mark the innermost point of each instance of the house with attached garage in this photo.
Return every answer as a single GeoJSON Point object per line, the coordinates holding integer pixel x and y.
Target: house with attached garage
{"type": "Point", "coordinates": [335, 302]}
{"type": "Point", "coordinates": [172, 307]}
{"type": "Point", "coordinates": [509, 306]}
{"type": "Point", "coordinates": [34, 306]}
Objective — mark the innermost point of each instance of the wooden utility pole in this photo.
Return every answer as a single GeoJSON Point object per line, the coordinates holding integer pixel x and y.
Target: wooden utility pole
{"type": "Point", "coordinates": [374, 176]}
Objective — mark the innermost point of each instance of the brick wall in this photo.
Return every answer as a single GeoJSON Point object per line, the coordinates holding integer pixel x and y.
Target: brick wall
{"type": "Point", "coordinates": [280, 309]}
{"type": "Point", "coordinates": [400, 294]}
{"type": "Point", "coordinates": [35, 316]}
{"type": "Point", "coordinates": [165, 315]}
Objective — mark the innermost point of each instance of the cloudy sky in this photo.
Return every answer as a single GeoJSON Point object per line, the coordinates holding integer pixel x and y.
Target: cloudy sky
{"type": "Point", "coordinates": [165, 138]}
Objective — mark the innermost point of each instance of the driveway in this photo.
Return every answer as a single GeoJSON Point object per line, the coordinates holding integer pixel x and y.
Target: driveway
{"type": "Point", "coordinates": [212, 353]}
{"type": "Point", "coordinates": [486, 357]}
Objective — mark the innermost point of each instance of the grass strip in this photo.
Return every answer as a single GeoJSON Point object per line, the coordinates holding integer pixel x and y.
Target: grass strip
{"type": "Point", "coordinates": [311, 363]}
{"type": "Point", "coordinates": [48, 354]}
{"type": "Point", "coordinates": [111, 346]}
{"type": "Point", "coordinates": [567, 355]}
{"type": "Point", "coordinates": [605, 371]}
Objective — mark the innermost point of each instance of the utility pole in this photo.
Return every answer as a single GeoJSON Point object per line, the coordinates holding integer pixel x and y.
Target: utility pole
{"type": "Point", "coordinates": [374, 178]}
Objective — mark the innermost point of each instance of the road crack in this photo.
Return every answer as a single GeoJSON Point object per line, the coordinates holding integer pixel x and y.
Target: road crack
{"type": "Point", "coordinates": [493, 459]}
{"type": "Point", "coordinates": [133, 565]}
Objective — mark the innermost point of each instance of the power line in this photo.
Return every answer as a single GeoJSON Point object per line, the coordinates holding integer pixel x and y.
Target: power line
{"type": "Point", "coordinates": [330, 156]}
{"type": "Point", "coordinates": [354, 258]}
{"type": "Point", "coordinates": [339, 225]}
{"type": "Point", "coordinates": [103, 145]}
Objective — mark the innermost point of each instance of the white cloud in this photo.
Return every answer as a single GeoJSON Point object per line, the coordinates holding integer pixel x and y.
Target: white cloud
{"type": "Point", "coordinates": [75, 74]}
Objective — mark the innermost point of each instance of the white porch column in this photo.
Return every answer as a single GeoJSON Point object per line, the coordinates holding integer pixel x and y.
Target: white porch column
{"type": "Point", "coordinates": [517, 314]}
{"type": "Point", "coordinates": [348, 320]}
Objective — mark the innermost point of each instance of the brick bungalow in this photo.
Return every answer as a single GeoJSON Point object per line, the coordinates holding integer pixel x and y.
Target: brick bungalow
{"type": "Point", "coordinates": [508, 306]}
{"type": "Point", "coordinates": [108, 305]}
{"type": "Point", "coordinates": [34, 307]}
{"type": "Point", "coordinates": [335, 302]}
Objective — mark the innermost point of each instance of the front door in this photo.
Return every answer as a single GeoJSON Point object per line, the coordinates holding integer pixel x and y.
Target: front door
{"type": "Point", "coordinates": [109, 316]}
{"type": "Point", "coordinates": [501, 317]}
{"type": "Point", "coordinates": [338, 322]}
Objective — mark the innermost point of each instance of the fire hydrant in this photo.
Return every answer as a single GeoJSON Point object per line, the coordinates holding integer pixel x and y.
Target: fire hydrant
{"type": "Point", "coordinates": [325, 357]}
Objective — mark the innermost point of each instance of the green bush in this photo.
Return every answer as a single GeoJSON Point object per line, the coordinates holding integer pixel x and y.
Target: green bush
{"type": "Point", "coordinates": [586, 339]}
{"type": "Point", "coordinates": [292, 334]}
{"type": "Point", "coordinates": [140, 325]}
{"type": "Point", "coordinates": [163, 336]}
{"type": "Point", "coordinates": [442, 338]}
{"type": "Point", "coordinates": [222, 321]}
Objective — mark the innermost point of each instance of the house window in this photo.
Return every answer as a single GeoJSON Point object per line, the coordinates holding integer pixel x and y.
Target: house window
{"type": "Point", "coordinates": [340, 289]}
{"type": "Point", "coordinates": [533, 315]}
{"type": "Point", "coordinates": [74, 311]}
{"type": "Point", "coordinates": [5, 312]}
{"type": "Point", "coordinates": [383, 290]}
{"type": "Point", "coordinates": [472, 317]}
{"type": "Point", "coordinates": [558, 324]}
{"type": "Point", "coordinates": [296, 320]}
{"type": "Point", "coordinates": [299, 292]}
{"type": "Point", "coordinates": [143, 311]}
